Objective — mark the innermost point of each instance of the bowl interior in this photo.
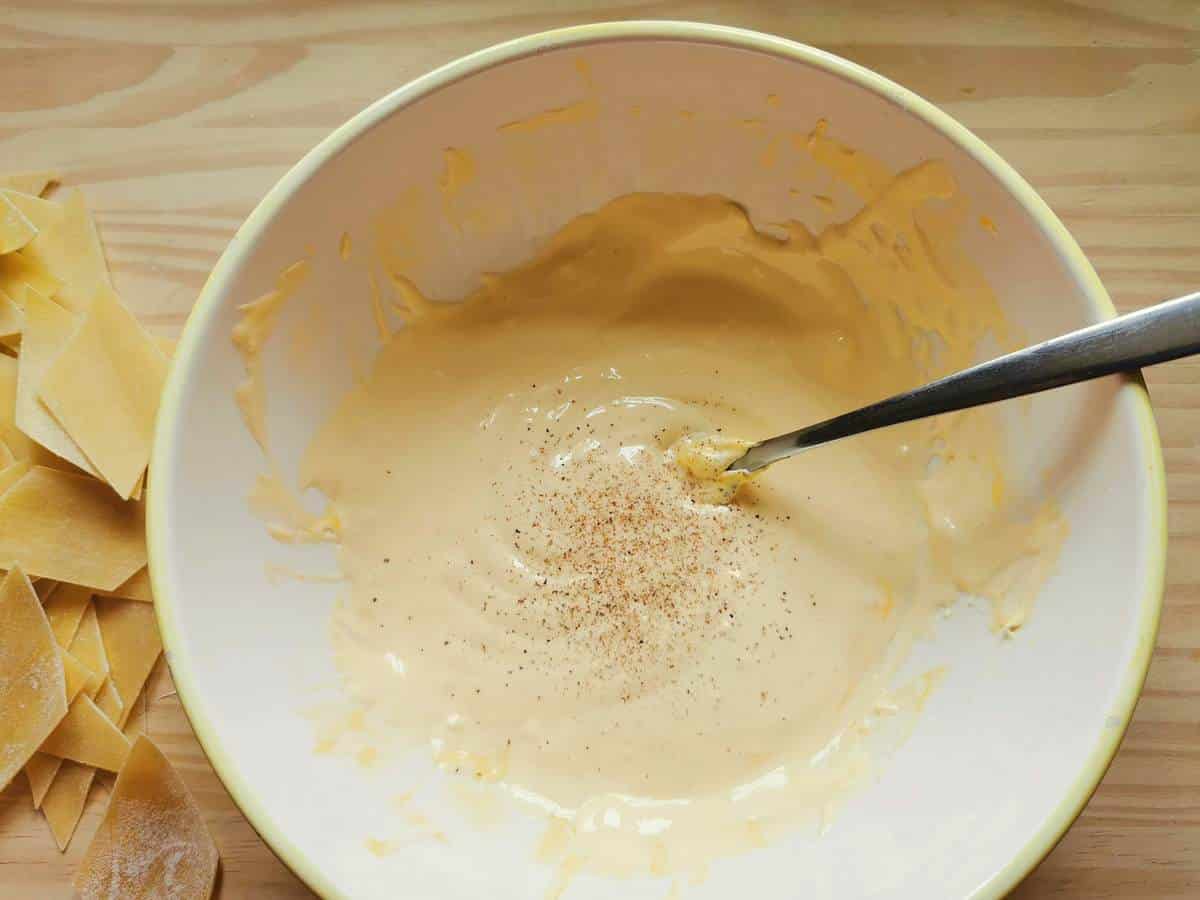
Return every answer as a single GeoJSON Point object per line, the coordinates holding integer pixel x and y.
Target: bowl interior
{"type": "Point", "coordinates": [1007, 748]}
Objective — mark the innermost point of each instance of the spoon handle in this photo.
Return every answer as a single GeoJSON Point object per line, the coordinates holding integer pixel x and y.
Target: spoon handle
{"type": "Point", "coordinates": [1156, 334]}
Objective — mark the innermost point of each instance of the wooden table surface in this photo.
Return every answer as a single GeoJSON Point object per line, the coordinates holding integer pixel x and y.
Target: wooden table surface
{"type": "Point", "coordinates": [176, 116]}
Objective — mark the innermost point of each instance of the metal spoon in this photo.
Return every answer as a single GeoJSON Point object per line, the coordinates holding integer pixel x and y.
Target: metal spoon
{"type": "Point", "coordinates": [1159, 333]}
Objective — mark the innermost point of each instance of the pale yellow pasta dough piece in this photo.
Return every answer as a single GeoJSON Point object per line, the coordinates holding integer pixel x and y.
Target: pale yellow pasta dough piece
{"type": "Point", "coordinates": [72, 254]}
{"type": "Point", "coordinates": [88, 647]}
{"type": "Point", "coordinates": [18, 442]}
{"type": "Point", "coordinates": [12, 473]}
{"type": "Point", "coordinates": [109, 702]}
{"type": "Point", "coordinates": [41, 770]}
{"type": "Point", "coordinates": [152, 841]}
{"type": "Point", "coordinates": [12, 316]}
{"type": "Point", "coordinates": [77, 675]}
{"type": "Point", "coordinates": [6, 456]}
{"type": "Point", "coordinates": [43, 214]}
{"type": "Point", "coordinates": [104, 387]}
{"type": "Point", "coordinates": [139, 486]}
{"type": "Point", "coordinates": [130, 632]}
{"type": "Point", "coordinates": [136, 588]}
{"type": "Point", "coordinates": [65, 607]}
{"type": "Point", "coordinates": [29, 182]}
{"type": "Point", "coordinates": [87, 736]}
{"type": "Point", "coordinates": [47, 328]}
{"type": "Point", "coordinates": [71, 528]}
{"type": "Point", "coordinates": [33, 693]}
{"type": "Point", "coordinates": [64, 800]}
{"type": "Point", "coordinates": [19, 270]}
{"type": "Point", "coordinates": [135, 725]}
{"type": "Point", "coordinates": [15, 228]}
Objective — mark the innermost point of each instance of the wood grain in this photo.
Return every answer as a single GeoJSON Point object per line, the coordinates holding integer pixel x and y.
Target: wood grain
{"type": "Point", "coordinates": [177, 116]}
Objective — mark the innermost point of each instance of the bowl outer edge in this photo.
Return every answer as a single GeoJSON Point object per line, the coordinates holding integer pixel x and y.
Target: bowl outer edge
{"type": "Point", "coordinates": [208, 303]}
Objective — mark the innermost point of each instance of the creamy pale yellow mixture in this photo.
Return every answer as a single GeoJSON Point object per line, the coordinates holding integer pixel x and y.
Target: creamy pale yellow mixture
{"type": "Point", "coordinates": [545, 587]}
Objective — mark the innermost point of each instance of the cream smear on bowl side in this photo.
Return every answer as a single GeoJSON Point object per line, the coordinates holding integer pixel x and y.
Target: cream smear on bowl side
{"type": "Point", "coordinates": [542, 590]}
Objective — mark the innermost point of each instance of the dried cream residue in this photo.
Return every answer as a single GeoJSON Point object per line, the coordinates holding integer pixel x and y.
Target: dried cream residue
{"type": "Point", "coordinates": [250, 335]}
{"type": "Point", "coordinates": [287, 519]}
{"type": "Point", "coordinates": [585, 110]}
{"type": "Point", "coordinates": [459, 171]}
{"type": "Point", "coordinates": [271, 499]}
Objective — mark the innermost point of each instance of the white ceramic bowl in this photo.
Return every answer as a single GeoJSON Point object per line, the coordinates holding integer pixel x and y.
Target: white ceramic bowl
{"type": "Point", "coordinates": [1008, 749]}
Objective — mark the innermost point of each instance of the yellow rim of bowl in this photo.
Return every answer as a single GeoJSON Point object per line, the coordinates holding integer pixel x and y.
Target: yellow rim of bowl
{"type": "Point", "coordinates": [1047, 835]}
